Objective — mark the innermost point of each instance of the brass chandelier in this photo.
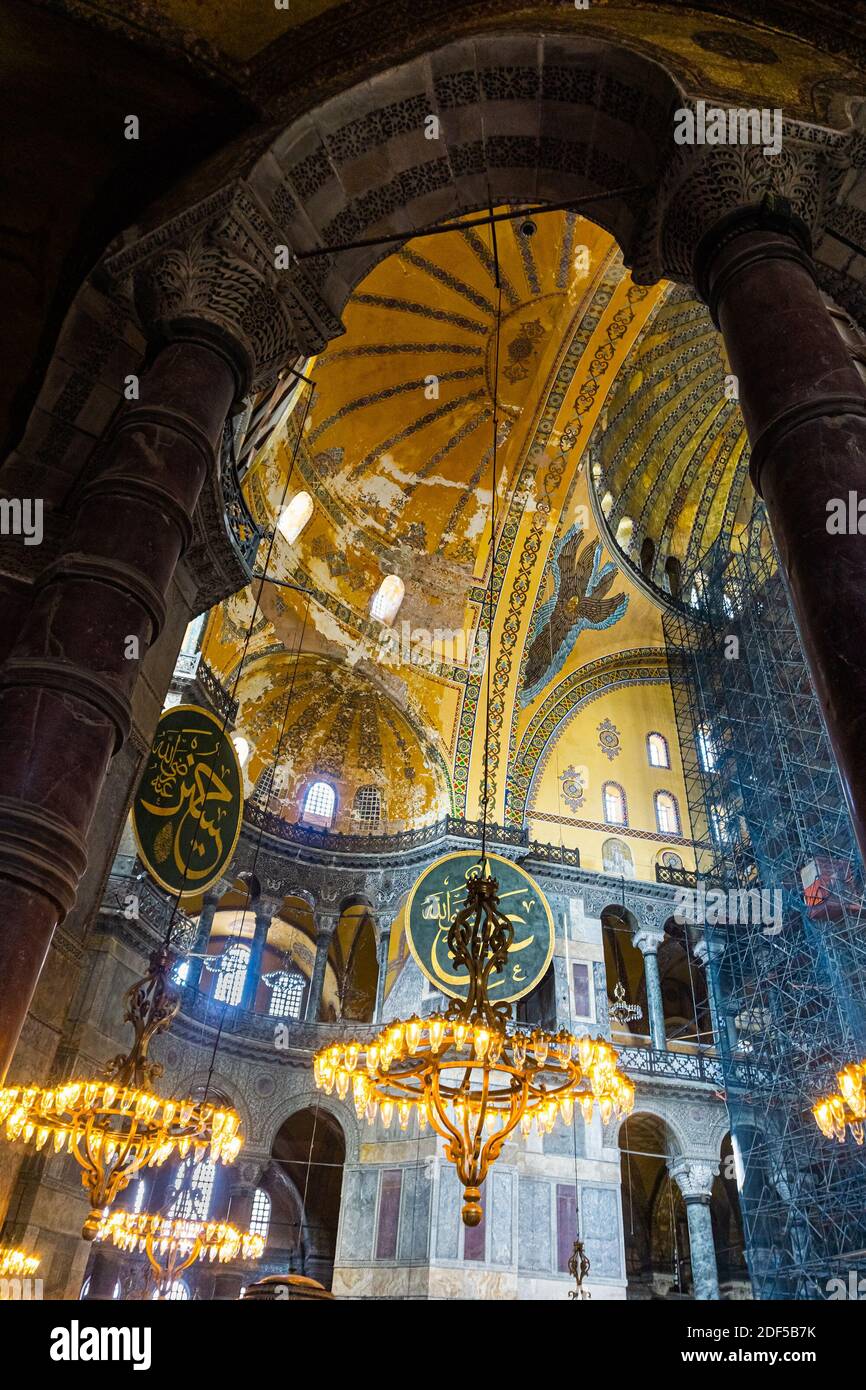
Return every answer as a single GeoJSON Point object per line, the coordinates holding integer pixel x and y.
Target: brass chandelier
{"type": "Point", "coordinates": [172, 1244]}
{"type": "Point", "coordinates": [465, 1072]}
{"type": "Point", "coordinates": [844, 1112]}
{"type": "Point", "coordinates": [117, 1124]}
{"type": "Point", "coordinates": [17, 1264]}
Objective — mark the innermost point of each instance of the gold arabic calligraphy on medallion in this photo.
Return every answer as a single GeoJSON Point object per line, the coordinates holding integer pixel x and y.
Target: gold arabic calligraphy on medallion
{"type": "Point", "coordinates": [189, 805]}
{"type": "Point", "coordinates": [441, 891]}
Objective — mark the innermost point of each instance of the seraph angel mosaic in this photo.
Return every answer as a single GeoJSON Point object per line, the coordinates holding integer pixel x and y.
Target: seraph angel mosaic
{"type": "Point", "coordinates": [580, 601]}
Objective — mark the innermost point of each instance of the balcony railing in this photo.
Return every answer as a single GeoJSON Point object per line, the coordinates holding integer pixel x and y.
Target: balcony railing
{"type": "Point", "coordinates": [677, 1066]}
{"type": "Point", "coordinates": [292, 1033]}
{"type": "Point", "coordinates": [375, 842]}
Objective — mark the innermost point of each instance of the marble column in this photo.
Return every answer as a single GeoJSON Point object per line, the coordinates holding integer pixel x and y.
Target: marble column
{"type": "Point", "coordinates": [647, 942]}
{"type": "Point", "coordinates": [694, 1177]}
{"type": "Point", "coordinates": [382, 946]}
{"type": "Point", "coordinates": [202, 937]}
{"type": "Point", "coordinates": [326, 925]}
{"type": "Point", "coordinates": [705, 951]}
{"type": "Point", "coordinates": [804, 405]}
{"type": "Point", "coordinates": [66, 687]}
{"type": "Point", "coordinates": [265, 910]}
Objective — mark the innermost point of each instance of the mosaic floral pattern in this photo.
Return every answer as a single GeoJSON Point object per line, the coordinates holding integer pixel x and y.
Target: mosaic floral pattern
{"type": "Point", "coordinates": [609, 739]}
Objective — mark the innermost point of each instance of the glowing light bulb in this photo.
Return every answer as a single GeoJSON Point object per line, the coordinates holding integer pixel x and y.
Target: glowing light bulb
{"type": "Point", "coordinates": [437, 1033]}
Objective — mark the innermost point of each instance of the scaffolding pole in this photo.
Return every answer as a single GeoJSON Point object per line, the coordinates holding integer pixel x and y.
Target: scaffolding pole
{"type": "Point", "coordinates": [787, 953]}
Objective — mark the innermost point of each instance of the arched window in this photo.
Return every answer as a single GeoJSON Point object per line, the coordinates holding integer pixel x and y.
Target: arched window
{"type": "Point", "coordinates": [697, 590]}
{"type": "Point", "coordinates": [85, 1288]}
{"type": "Point", "coordinates": [707, 752]}
{"type": "Point", "coordinates": [616, 858]}
{"type": "Point", "coordinates": [613, 801]}
{"type": "Point", "coordinates": [264, 788]}
{"type": "Point", "coordinates": [387, 599]}
{"type": "Point", "coordinates": [177, 1291]}
{"type": "Point", "coordinates": [242, 748]}
{"type": "Point", "coordinates": [669, 859]}
{"type": "Point", "coordinates": [229, 985]}
{"type": "Point", "coordinates": [193, 1186]}
{"type": "Point", "coordinates": [720, 824]}
{"type": "Point", "coordinates": [260, 1219]}
{"type": "Point", "coordinates": [180, 972]}
{"type": "Point", "coordinates": [657, 750]}
{"type": "Point", "coordinates": [624, 533]}
{"type": "Point", "coordinates": [192, 635]}
{"type": "Point", "coordinates": [607, 504]}
{"type": "Point", "coordinates": [647, 555]}
{"type": "Point", "coordinates": [287, 993]}
{"type": "Point", "coordinates": [294, 516]}
{"type": "Point", "coordinates": [667, 814]}
{"type": "Point", "coordinates": [319, 803]}
{"type": "Point", "coordinates": [367, 805]}
{"type": "Point", "coordinates": [673, 576]}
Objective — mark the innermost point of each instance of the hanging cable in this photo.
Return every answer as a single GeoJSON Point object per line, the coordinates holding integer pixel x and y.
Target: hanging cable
{"type": "Point", "coordinates": [498, 329]}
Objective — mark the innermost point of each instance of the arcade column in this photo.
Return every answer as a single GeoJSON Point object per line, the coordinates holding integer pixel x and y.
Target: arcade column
{"type": "Point", "coordinates": [648, 942]}
{"type": "Point", "coordinates": [66, 686]}
{"type": "Point", "coordinates": [382, 947]}
{"type": "Point", "coordinates": [326, 925]}
{"type": "Point", "coordinates": [694, 1177]}
{"type": "Point", "coordinates": [804, 405]}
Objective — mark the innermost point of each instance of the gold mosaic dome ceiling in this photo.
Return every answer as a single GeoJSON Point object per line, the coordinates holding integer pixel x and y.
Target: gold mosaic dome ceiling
{"type": "Point", "coordinates": [311, 718]}
{"type": "Point", "coordinates": [670, 457]}
{"type": "Point", "coordinates": [609, 393]}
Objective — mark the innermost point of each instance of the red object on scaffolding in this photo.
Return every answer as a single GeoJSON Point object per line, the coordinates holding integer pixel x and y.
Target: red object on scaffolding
{"type": "Point", "coordinates": [828, 884]}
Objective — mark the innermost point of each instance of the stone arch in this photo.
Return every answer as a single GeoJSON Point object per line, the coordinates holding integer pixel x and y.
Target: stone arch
{"type": "Point", "coordinates": [309, 1100]}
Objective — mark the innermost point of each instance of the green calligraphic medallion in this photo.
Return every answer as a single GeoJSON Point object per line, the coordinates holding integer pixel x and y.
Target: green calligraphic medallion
{"type": "Point", "coordinates": [189, 806]}
{"type": "Point", "coordinates": [441, 891]}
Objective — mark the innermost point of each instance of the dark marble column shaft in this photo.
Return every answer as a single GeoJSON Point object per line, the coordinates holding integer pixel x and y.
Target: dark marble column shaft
{"type": "Point", "coordinates": [254, 963]}
{"type": "Point", "coordinates": [202, 937]}
{"type": "Point", "coordinates": [804, 405]}
{"type": "Point", "coordinates": [66, 687]}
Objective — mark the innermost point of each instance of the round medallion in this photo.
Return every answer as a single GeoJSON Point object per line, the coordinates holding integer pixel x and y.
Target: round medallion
{"type": "Point", "coordinates": [441, 891]}
{"type": "Point", "coordinates": [188, 809]}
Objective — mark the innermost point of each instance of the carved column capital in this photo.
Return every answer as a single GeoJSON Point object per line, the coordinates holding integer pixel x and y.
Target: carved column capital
{"type": "Point", "coordinates": [704, 184]}
{"type": "Point", "coordinates": [221, 273]}
{"type": "Point", "coordinates": [647, 939]}
{"type": "Point", "coordinates": [704, 951]}
{"type": "Point", "coordinates": [694, 1177]}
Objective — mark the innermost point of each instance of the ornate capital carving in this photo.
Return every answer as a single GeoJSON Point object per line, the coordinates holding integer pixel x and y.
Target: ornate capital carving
{"type": "Point", "coordinates": [647, 939]}
{"type": "Point", "coordinates": [704, 184]}
{"type": "Point", "coordinates": [694, 1177]}
{"type": "Point", "coordinates": [212, 274]}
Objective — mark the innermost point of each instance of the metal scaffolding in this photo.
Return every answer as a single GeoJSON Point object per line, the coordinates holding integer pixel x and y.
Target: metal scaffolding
{"type": "Point", "coordinates": [788, 951]}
